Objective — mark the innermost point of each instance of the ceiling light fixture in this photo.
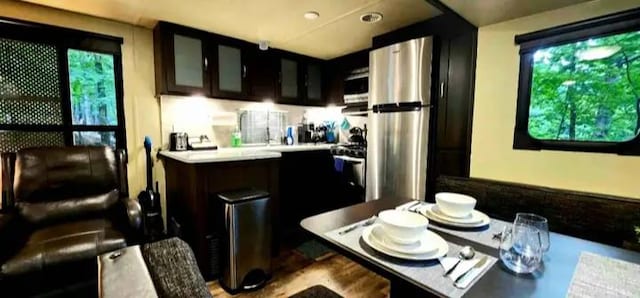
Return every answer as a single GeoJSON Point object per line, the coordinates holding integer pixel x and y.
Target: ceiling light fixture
{"type": "Point", "coordinates": [597, 53]}
{"type": "Point", "coordinates": [311, 15]}
{"type": "Point", "coordinates": [263, 45]}
{"type": "Point", "coordinates": [371, 17]}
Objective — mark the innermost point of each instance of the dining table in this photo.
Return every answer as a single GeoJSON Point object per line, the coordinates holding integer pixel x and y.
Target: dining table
{"type": "Point", "coordinates": [552, 279]}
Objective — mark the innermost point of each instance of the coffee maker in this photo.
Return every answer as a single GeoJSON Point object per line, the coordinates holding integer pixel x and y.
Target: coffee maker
{"type": "Point", "coordinates": [305, 133]}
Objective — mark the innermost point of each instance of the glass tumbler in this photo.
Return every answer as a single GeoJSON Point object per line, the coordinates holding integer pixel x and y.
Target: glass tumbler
{"type": "Point", "coordinates": [521, 248]}
{"type": "Point", "coordinates": [539, 222]}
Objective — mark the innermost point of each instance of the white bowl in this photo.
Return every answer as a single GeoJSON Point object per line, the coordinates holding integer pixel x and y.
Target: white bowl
{"type": "Point", "coordinates": [455, 204]}
{"type": "Point", "coordinates": [403, 227]}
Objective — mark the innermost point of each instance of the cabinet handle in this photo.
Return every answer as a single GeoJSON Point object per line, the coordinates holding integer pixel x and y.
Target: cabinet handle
{"type": "Point", "coordinates": [244, 71]}
{"type": "Point", "coordinates": [306, 80]}
{"type": "Point", "coordinates": [442, 90]}
{"type": "Point", "coordinates": [206, 63]}
{"type": "Point", "coordinates": [280, 78]}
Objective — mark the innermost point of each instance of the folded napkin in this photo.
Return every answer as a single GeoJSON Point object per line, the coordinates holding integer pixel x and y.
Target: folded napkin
{"type": "Point", "coordinates": [464, 268]}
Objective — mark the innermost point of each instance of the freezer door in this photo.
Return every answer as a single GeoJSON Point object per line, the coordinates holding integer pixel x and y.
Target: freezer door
{"type": "Point", "coordinates": [401, 72]}
{"type": "Point", "coordinates": [397, 154]}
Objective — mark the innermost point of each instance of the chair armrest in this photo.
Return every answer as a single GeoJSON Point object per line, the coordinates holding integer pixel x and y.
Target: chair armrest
{"type": "Point", "coordinates": [134, 213]}
{"type": "Point", "coordinates": [12, 230]}
{"type": "Point", "coordinates": [6, 219]}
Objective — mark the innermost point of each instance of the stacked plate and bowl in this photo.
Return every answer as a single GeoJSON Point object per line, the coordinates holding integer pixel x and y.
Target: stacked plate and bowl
{"type": "Point", "coordinates": [456, 210]}
{"type": "Point", "coordinates": [403, 234]}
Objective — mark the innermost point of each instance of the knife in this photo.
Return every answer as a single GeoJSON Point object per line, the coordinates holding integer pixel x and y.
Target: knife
{"type": "Point", "coordinates": [411, 205]}
{"type": "Point", "coordinates": [478, 265]}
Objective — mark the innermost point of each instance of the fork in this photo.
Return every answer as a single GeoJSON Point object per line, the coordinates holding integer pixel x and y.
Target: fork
{"type": "Point", "coordinates": [368, 222]}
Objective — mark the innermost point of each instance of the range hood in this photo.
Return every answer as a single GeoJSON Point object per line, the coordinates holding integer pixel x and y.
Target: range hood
{"type": "Point", "coordinates": [361, 109]}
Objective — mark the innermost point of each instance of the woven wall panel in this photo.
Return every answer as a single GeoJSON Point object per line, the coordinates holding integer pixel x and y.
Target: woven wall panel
{"type": "Point", "coordinates": [29, 83]}
{"type": "Point", "coordinates": [12, 141]}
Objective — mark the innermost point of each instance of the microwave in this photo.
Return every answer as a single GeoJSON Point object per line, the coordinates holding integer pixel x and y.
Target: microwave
{"type": "Point", "coordinates": [356, 86]}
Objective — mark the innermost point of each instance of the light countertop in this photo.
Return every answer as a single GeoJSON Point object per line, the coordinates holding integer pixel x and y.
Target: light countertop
{"type": "Point", "coordinates": [239, 154]}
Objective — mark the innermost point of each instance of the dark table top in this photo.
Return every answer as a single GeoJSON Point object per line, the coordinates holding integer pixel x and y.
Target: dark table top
{"type": "Point", "coordinates": [552, 280]}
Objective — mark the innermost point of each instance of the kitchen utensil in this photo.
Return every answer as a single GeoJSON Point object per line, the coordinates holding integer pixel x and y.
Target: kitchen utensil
{"type": "Point", "coordinates": [356, 136]}
{"type": "Point", "coordinates": [368, 222]}
{"type": "Point", "coordinates": [466, 253]}
{"type": "Point", "coordinates": [454, 204]}
{"type": "Point", "coordinates": [402, 226]}
{"type": "Point", "coordinates": [462, 277]}
{"type": "Point", "coordinates": [411, 205]}
{"type": "Point", "coordinates": [431, 237]}
{"type": "Point", "coordinates": [521, 248]}
{"type": "Point", "coordinates": [539, 222]}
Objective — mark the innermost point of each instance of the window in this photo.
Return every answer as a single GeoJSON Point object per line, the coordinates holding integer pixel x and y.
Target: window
{"type": "Point", "coordinates": [262, 126]}
{"type": "Point", "coordinates": [59, 87]}
{"type": "Point", "coordinates": [579, 87]}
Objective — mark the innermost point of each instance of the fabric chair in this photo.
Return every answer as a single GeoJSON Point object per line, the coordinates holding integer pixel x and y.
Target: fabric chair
{"type": "Point", "coordinates": [63, 205]}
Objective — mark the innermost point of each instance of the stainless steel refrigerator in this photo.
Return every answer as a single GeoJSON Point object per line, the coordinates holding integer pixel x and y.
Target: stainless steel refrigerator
{"type": "Point", "coordinates": [399, 111]}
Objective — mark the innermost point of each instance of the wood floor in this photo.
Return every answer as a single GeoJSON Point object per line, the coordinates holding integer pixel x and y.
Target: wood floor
{"type": "Point", "coordinates": [294, 273]}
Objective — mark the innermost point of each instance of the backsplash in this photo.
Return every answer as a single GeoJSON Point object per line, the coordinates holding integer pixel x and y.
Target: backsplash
{"type": "Point", "coordinates": [218, 118]}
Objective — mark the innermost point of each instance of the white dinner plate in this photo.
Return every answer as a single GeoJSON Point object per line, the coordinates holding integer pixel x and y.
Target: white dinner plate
{"type": "Point", "coordinates": [424, 245]}
{"type": "Point", "coordinates": [474, 216]}
{"type": "Point", "coordinates": [442, 247]}
{"type": "Point", "coordinates": [478, 219]}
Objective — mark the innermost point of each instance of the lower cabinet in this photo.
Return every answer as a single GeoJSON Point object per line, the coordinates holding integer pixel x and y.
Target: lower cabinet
{"type": "Point", "coordinates": [300, 184]}
{"type": "Point", "coordinates": [191, 189]}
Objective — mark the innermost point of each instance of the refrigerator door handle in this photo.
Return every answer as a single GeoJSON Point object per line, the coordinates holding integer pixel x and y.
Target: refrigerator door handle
{"type": "Point", "coordinates": [399, 107]}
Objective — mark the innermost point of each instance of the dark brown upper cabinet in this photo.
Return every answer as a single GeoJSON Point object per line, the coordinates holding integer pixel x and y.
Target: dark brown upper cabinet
{"type": "Point", "coordinates": [181, 60]}
{"type": "Point", "coordinates": [261, 74]}
{"type": "Point", "coordinates": [230, 68]}
{"type": "Point", "coordinates": [193, 62]}
{"type": "Point", "coordinates": [313, 83]}
{"type": "Point", "coordinates": [289, 89]}
{"type": "Point", "coordinates": [241, 70]}
{"type": "Point", "coordinates": [301, 80]}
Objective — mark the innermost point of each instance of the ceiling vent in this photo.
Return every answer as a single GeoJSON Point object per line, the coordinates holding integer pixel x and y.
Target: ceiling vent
{"type": "Point", "coordinates": [371, 17]}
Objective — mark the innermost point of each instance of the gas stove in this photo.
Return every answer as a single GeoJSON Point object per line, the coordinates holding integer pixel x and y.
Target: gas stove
{"type": "Point", "coordinates": [356, 150]}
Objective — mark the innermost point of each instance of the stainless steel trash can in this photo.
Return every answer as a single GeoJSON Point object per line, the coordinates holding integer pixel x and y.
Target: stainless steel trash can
{"type": "Point", "coordinates": [247, 240]}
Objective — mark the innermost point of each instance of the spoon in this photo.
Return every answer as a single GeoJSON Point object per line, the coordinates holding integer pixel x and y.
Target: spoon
{"type": "Point", "coordinates": [466, 253]}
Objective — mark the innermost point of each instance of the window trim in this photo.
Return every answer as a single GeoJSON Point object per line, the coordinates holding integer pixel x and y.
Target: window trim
{"type": "Point", "coordinates": [529, 43]}
{"type": "Point", "coordinates": [64, 39]}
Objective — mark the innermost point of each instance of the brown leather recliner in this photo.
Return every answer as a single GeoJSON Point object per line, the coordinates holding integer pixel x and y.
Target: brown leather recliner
{"type": "Point", "coordinates": [63, 205]}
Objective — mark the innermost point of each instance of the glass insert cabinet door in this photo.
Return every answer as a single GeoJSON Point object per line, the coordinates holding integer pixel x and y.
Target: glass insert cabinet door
{"type": "Point", "coordinates": [188, 61]}
{"type": "Point", "coordinates": [231, 71]}
{"type": "Point", "coordinates": [288, 78]}
{"type": "Point", "coordinates": [314, 82]}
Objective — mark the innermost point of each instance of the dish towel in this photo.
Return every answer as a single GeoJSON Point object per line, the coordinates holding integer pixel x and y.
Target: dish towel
{"type": "Point", "coordinates": [338, 164]}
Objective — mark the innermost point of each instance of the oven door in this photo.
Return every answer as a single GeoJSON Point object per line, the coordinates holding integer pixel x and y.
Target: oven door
{"type": "Point", "coordinates": [352, 173]}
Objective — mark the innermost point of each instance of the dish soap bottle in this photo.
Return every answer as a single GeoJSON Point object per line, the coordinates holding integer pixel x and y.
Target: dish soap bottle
{"type": "Point", "coordinates": [289, 139]}
{"type": "Point", "coordinates": [236, 138]}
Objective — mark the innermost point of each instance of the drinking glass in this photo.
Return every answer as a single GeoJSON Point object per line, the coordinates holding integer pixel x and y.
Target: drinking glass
{"type": "Point", "coordinates": [539, 222]}
{"type": "Point", "coordinates": [521, 248]}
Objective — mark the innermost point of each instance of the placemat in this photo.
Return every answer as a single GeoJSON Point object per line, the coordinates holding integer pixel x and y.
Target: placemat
{"type": "Point", "coordinates": [598, 276]}
{"type": "Point", "coordinates": [484, 235]}
{"type": "Point", "coordinates": [426, 273]}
